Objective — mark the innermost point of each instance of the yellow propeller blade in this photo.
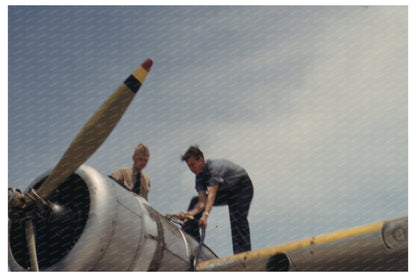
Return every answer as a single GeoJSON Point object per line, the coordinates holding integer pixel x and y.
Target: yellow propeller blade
{"type": "Point", "coordinates": [96, 130]}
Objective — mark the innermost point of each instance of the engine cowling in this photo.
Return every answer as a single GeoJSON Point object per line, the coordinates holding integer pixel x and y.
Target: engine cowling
{"type": "Point", "coordinates": [105, 228]}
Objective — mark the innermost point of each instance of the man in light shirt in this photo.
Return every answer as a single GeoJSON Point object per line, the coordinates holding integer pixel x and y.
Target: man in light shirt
{"type": "Point", "coordinates": [133, 178]}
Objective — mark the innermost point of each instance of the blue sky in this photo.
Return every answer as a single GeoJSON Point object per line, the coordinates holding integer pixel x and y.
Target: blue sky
{"type": "Point", "coordinates": [311, 100]}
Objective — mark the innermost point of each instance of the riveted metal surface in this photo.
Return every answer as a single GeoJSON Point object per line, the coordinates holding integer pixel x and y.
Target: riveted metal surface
{"type": "Point", "coordinates": [123, 233]}
{"type": "Point", "coordinates": [362, 248]}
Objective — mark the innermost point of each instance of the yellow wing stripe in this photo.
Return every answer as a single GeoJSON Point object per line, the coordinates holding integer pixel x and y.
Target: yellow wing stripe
{"type": "Point", "coordinates": [270, 251]}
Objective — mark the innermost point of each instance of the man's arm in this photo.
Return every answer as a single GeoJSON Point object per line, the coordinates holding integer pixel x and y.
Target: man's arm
{"type": "Point", "coordinates": [212, 193]}
{"type": "Point", "coordinates": [199, 207]}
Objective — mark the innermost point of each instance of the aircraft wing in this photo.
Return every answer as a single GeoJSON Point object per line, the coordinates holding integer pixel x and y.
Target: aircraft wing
{"type": "Point", "coordinates": [381, 246]}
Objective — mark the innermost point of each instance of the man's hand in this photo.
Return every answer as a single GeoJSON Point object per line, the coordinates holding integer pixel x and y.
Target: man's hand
{"type": "Point", "coordinates": [212, 194]}
{"type": "Point", "coordinates": [203, 220]}
{"type": "Point", "coordinates": [183, 216]}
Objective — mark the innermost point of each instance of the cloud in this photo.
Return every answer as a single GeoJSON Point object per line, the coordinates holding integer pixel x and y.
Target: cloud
{"type": "Point", "coordinates": [339, 148]}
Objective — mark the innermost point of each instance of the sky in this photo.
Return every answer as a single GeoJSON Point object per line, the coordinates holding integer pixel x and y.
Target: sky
{"type": "Point", "coordinates": [311, 100]}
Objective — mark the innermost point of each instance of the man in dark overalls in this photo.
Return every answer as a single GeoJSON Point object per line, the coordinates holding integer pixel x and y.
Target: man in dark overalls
{"type": "Point", "coordinates": [220, 182]}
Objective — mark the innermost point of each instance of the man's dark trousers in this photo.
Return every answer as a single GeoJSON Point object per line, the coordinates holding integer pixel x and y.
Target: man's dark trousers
{"type": "Point", "coordinates": [238, 202]}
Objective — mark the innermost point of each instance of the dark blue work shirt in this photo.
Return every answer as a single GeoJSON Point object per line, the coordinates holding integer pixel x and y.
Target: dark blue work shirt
{"type": "Point", "coordinates": [222, 172]}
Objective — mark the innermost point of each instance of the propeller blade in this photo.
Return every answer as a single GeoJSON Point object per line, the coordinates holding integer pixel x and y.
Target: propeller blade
{"type": "Point", "coordinates": [31, 245]}
{"type": "Point", "coordinates": [96, 130]}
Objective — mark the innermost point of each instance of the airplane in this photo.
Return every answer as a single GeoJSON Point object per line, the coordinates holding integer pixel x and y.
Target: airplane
{"type": "Point", "coordinates": [74, 218]}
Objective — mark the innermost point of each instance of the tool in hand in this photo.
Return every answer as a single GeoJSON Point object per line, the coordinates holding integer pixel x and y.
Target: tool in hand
{"type": "Point", "coordinates": [198, 250]}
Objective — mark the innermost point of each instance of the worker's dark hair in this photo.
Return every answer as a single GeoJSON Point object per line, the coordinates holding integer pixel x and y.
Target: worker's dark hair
{"type": "Point", "coordinates": [192, 151]}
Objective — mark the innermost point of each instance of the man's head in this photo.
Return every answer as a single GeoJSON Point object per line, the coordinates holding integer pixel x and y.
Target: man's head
{"type": "Point", "coordinates": [194, 158]}
{"type": "Point", "coordinates": [141, 156]}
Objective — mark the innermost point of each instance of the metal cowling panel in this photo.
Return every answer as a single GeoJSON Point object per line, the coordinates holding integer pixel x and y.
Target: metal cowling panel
{"type": "Point", "coordinates": [121, 232]}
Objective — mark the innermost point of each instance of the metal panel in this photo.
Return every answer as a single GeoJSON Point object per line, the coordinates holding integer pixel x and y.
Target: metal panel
{"type": "Point", "coordinates": [380, 246]}
{"type": "Point", "coordinates": [123, 233]}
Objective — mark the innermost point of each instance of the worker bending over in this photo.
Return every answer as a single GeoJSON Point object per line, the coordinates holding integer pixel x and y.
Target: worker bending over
{"type": "Point", "coordinates": [219, 182]}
